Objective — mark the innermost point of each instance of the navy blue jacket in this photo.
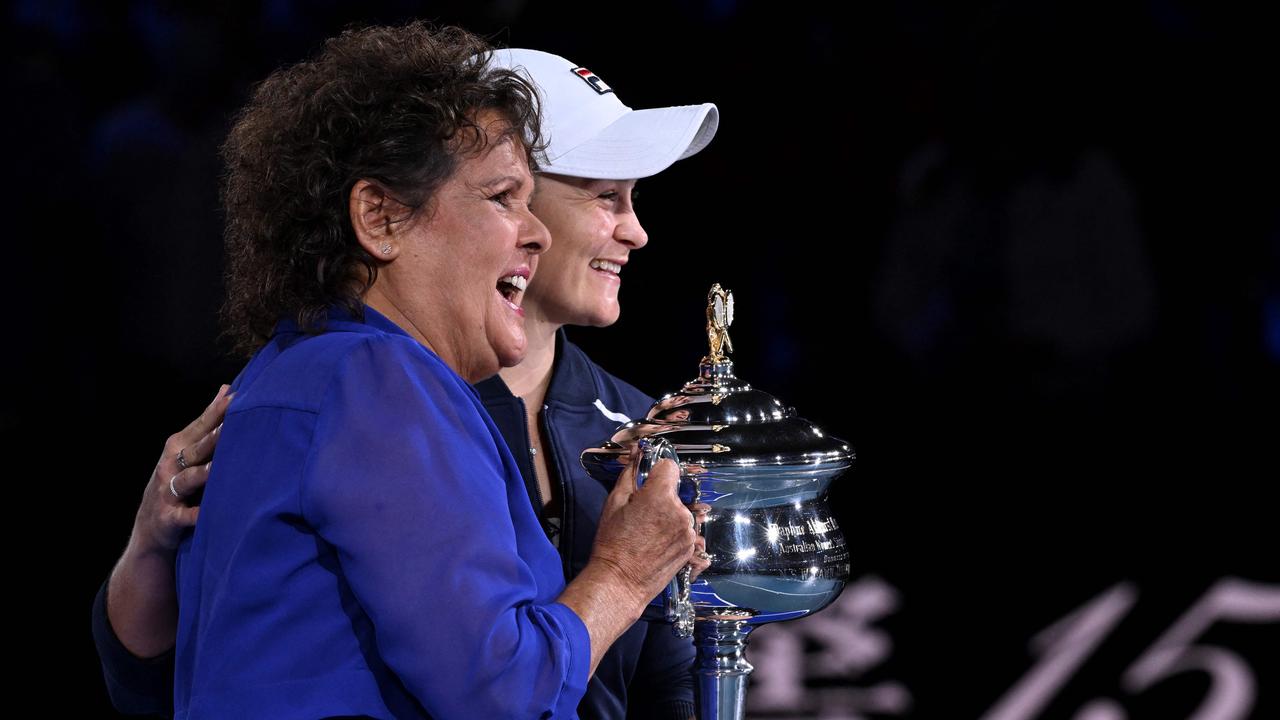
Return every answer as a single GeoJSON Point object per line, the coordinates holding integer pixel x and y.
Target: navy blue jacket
{"type": "Point", "coordinates": [583, 406]}
{"type": "Point", "coordinates": [646, 673]}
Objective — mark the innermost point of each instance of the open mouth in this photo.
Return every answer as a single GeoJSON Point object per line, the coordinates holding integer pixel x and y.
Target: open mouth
{"type": "Point", "coordinates": [512, 288]}
{"type": "Point", "coordinates": [607, 266]}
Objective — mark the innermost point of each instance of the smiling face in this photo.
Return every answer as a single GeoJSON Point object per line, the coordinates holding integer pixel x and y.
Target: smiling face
{"type": "Point", "coordinates": [595, 228]}
{"type": "Point", "coordinates": [457, 273]}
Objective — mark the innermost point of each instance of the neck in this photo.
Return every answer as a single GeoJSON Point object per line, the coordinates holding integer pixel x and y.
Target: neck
{"type": "Point", "coordinates": [384, 303]}
{"type": "Point", "coordinates": [531, 378]}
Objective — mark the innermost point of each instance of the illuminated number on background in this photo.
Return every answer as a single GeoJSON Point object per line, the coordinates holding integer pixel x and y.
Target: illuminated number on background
{"type": "Point", "coordinates": [1231, 691]}
{"type": "Point", "coordinates": [1065, 646]}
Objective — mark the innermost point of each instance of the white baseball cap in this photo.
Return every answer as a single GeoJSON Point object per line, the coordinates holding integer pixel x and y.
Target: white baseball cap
{"type": "Point", "coordinates": [589, 133]}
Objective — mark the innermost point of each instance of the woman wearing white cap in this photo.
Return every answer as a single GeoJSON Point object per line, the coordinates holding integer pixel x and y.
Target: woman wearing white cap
{"type": "Point", "coordinates": [549, 407]}
{"type": "Point", "coordinates": [596, 150]}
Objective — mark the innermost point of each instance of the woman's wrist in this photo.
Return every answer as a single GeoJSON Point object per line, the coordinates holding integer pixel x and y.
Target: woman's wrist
{"type": "Point", "coordinates": [141, 603]}
{"type": "Point", "coordinates": [611, 584]}
{"type": "Point", "coordinates": [606, 602]}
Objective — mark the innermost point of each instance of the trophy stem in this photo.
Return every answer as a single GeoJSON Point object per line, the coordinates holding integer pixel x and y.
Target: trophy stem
{"type": "Point", "coordinates": [721, 669]}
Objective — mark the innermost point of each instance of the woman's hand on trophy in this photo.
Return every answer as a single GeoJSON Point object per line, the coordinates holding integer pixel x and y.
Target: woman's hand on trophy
{"type": "Point", "coordinates": [700, 560]}
{"type": "Point", "coordinates": [646, 535]}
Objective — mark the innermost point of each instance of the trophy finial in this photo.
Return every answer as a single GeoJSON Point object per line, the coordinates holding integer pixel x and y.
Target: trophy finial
{"type": "Point", "coordinates": [719, 318]}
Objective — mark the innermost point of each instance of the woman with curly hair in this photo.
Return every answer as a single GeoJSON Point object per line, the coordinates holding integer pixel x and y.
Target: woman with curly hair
{"type": "Point", "coordinates": [366, 545]}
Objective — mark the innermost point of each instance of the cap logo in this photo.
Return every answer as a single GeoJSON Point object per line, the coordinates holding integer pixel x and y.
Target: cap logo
{"type": "Point", "coordinates": [593, 80]}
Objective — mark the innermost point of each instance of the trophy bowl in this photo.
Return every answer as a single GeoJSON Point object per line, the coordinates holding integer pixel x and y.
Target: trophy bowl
{"type": "Point", "coordinates": [776, 551]}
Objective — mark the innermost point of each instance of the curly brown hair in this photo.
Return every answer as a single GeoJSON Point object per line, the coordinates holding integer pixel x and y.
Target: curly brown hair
{"type": "Point", "coordinates": [393, 105]}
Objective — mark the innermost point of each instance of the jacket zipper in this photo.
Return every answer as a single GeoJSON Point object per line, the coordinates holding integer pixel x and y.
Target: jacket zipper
{"type": "Point", "coordinates": [532, 481]}
{"type": "Point", "coordinates": [553, 461]}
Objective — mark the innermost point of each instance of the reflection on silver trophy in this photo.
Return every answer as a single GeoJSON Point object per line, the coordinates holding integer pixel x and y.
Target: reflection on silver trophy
{"type": "Point", "coordinates": [776, 551]}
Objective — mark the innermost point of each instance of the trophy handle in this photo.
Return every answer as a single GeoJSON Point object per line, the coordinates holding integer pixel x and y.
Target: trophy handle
{"type": "Point", "coordinates": [677, 609]}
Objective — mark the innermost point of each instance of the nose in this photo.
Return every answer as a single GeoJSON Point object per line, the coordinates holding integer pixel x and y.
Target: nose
{"type": "Point", "coordinates": [629, 231]}
{"type": "Point", "coordinates": [534, 237]}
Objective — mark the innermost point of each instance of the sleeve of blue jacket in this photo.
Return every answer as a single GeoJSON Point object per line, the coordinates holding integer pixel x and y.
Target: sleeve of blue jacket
{"type": "Point", "coordinates": [412, 485]}
{"type": "Point", "coordinates": [137, 686]}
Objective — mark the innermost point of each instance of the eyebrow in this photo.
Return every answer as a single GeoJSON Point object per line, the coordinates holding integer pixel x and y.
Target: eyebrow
{"type": "Point", "coordinates": [495, 181]}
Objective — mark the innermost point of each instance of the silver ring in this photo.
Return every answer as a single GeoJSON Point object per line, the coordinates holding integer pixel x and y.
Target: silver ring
{"type": "Point", "coordinates": [182, 461]}
{"type": "Point", "coordinates": [702, 554]}
{"type": "Point", "coordinates": [173, 489]}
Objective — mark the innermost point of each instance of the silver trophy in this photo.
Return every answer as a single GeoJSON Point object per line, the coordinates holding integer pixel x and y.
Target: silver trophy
{"type": "Point", "coordinates": [776, 551]}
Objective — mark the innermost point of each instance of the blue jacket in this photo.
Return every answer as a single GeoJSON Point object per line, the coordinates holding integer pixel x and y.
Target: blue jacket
{"type": "Point", "coordinates": [366, 546]}
{"type": "Point", "coordinates": [584, 405]}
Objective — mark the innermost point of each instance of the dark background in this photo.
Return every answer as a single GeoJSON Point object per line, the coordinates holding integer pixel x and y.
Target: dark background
{"type": "Point", "coordinates": [1024, 256]}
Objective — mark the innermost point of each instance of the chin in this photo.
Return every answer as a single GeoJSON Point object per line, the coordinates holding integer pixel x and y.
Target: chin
{"type": "Point", "coordinates": [512, 354]}
{"type": "Point", "coordinates": [500, 356]}
{"type": "Point", "coordinates": [605, 316]}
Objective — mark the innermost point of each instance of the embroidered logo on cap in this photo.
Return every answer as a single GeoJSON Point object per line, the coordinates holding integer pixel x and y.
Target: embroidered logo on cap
{"type": "Point", "coordinates": [593, 80]}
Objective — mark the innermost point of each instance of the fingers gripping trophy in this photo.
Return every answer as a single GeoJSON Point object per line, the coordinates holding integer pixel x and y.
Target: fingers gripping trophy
{"type": "Point", "coordinates": [776, 551]}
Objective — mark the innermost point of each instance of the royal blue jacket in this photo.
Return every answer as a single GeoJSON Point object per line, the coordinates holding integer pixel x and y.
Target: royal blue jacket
{"type": "Point", "coordinates": [366, 546]}
{"type": "Point", "coordinates": [583, 406]}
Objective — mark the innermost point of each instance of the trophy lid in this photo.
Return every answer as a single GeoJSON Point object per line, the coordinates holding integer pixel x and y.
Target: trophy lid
{"type": "Point", "coordinates": [720, 421]}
